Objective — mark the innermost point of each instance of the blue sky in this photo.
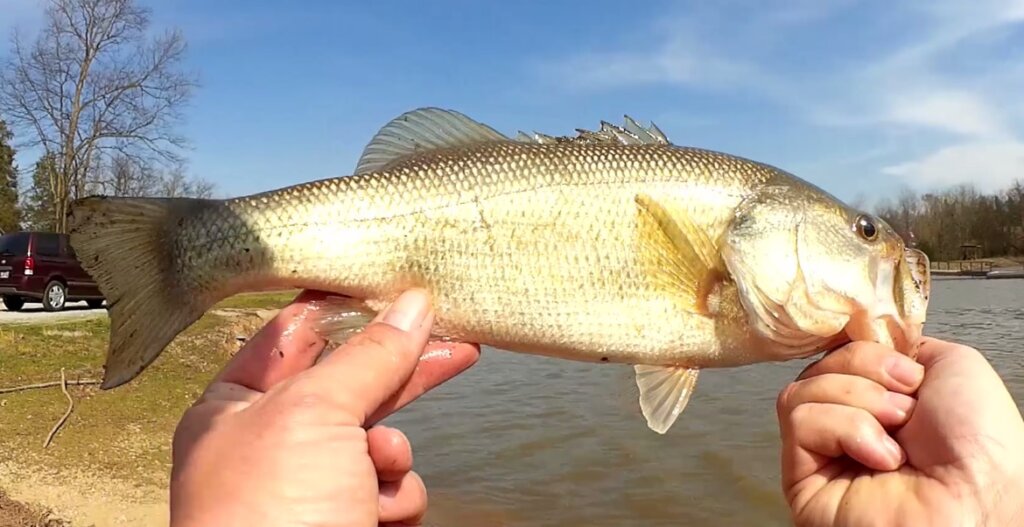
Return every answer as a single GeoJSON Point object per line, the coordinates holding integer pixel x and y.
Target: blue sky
{"type": "Point", "coordinates": [859, 97]}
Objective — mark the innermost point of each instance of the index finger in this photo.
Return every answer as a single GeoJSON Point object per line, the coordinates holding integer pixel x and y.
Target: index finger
{"type": "Point", "coordinates": [440, 362]}
{"type": "Point", "coordinates": [284, 347]}
{"type": "Point", "coordinates": [884, 365]}
{"type": "Point", "coordinates": [371, 367]}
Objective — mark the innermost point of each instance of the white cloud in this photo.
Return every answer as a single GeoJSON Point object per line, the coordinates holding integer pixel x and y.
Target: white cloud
{"type": "Point", "coordinates": [678, 59]}
{"type": "Point", "coordinates": [990, 166]}
{"type": "Point", "coordinates": [940, 77]}
{"type": "Point", "coordinates": [955, 111]}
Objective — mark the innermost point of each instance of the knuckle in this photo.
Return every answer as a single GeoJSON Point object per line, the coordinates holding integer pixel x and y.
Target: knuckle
{"type": "Point", "coordinates": [301, 397]}
{"type": "Point", "coordinates": [862, 424]}
{"type": "Point", "coordinates": [848, 388]}
{"type": "Point", "coordinates": [865, 358]}
{"type": "Point", "coordinates": [803, 413]}
{"type": "Point", "coordinates": [856, 421]}
{"type": "Point", "coordinates": [377, 337]}
{"type": "Point", "coordinates": [420, 489]}
{"type": "Point", "coordinates": [853, 356]}
{"type": "Point", "coordinates": [783, 402]}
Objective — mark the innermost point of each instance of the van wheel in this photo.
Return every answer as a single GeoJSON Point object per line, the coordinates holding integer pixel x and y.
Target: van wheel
{"type": "Point", "coordinates": [54, 296]}
{"type": "Point", "coordinates": [94, 304]}
{"type": "Point", "coordinates": [14, 303]}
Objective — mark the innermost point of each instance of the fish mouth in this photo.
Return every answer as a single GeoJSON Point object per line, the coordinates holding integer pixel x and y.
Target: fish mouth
{"type": "Point", "coordinates": [899, 322]}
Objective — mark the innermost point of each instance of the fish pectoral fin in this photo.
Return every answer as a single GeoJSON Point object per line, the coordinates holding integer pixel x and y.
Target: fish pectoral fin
{"type": "Point", "coordinates": [678, 254]}
{"type": "Point", "coordinates": [664, 392]}
{"type": "Point", "coordinates": [421, 130]}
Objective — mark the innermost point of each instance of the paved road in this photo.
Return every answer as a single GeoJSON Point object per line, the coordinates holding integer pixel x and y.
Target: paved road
{"type": "Point", "coordinates": [34, 314]}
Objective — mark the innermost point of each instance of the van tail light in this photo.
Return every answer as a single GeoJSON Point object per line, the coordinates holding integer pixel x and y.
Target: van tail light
{"type": "Point", "coordinates": [30, 266]}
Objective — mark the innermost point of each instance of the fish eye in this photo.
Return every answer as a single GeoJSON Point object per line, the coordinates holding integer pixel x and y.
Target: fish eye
{"type": "Point", "coordinates": [866, 228]}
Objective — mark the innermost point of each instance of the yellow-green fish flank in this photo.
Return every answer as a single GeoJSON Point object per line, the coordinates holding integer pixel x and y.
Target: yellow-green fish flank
{"type": "Point", "coordinates": [613, 246]}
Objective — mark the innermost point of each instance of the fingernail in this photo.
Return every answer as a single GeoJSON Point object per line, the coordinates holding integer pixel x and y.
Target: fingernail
{"type": "Point", "coordinates": [905, 371]}
{"type": "Point", "coordinates": [408, 311]}
{"type": "Point", "coordinates": [892, 450]}
{"type": "Point", "coordinates": [902, 403]}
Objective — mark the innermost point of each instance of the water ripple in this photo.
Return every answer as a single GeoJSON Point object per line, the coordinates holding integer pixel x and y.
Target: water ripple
{"type": "Point", "coordinates": [528, 441]}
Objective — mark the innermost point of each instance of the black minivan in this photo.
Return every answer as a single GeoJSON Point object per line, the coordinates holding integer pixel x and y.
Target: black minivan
{"type": "Point", "coordinates": [42, 267]}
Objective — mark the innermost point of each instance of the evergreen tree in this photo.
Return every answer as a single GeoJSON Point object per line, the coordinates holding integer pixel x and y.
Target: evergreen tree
{"type": "Point", "coordinates": [10, 215]}
{"type": "Point", "coordinates": [38, 205]}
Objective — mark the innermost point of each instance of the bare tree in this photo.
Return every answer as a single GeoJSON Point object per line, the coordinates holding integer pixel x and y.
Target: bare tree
{"type": "Point", "coordinates": [175, 184]}
{"type": "Point", "coordinates": [128, 177]}
{"type": "Point", "coordinates": [124, 176]}
{"type": "Point", "coordinates": [93, 84]}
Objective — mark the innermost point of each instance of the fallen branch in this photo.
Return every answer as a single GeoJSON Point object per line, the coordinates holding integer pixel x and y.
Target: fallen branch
{"type": "Point", "coordinates": [71, 406]}
{"type": "Point", "coordinates": [78, 382]}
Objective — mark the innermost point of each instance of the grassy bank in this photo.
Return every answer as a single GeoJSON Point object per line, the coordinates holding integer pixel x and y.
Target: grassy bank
{"type": "Point", "coordinates": [125, 433]}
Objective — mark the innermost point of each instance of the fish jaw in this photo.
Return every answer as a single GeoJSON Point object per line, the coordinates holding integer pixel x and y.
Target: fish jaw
{"type": "Point", "coordinates": [902, 293]}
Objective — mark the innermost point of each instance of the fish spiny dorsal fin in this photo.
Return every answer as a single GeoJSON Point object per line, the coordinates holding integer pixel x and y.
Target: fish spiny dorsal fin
{"type": "Point", "coordinates": [421, 130]}
{"type": "Point", "coordinates": [540, 138]}
{"type": "Point", "coordinates": [631, 134]}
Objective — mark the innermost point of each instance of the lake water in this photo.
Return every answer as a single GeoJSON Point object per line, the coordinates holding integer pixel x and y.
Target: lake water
{"type": "Point", "coordinates": [527, 441]}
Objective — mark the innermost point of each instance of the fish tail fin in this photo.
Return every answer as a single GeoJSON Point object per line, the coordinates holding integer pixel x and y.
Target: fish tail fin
{"type": "Point", "coordinates": [125, 245]}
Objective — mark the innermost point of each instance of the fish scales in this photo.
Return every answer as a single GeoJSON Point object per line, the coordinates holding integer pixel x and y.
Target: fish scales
{"type": "Point", "coordinates": [613, 246]}
{"type": "Point", "coordinates": [531, 246]}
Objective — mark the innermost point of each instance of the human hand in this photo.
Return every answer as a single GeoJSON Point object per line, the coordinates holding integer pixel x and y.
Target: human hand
{"type": "Point", "coordinates": [857, 449]}
{"type": "Point", "coordinates": [280, 439]}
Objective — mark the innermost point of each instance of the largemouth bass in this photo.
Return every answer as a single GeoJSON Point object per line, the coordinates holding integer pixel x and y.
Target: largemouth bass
{"type": "Point", "coordinates": [613, 246]}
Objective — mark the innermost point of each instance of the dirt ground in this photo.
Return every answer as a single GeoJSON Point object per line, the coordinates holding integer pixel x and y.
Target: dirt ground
{"type": "Point", "coordinates": [71, 498]}
{"type": "Point", "coordinates": [109, 464]}
{"type": "Point", "coordinates": [17, 513]}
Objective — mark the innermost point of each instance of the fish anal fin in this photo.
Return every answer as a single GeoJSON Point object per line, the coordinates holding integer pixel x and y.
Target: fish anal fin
{"type": "Point", "coordinates": [679, 255]}
{"type": "Point", "coordinates": [421, 130]}
{"type": "Point", "coordinates": [664, 393]}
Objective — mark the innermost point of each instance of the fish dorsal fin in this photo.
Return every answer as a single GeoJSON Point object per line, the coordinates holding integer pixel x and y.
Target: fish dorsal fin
{"type": "Point", "coordinates": [631, 133]}
{"type": "Point", "coordinates": [420, 130]}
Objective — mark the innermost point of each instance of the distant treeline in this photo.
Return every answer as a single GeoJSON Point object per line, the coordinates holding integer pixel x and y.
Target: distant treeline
{"type": "Point", "coordinates": [941, 223]}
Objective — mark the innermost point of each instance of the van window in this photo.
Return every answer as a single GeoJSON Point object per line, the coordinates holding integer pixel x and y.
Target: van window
{"type": "Point", "coordinates": [14, 244]}
{"type": "Point", "coordinates": [69, 251]}
{"type": "Point", "coordinates": [46, 245]}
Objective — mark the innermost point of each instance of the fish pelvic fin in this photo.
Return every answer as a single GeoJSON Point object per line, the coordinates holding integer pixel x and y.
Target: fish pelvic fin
{"type": "Point", "coordinates": [338, 318]}
{"type": "Point", "coordinates": [678, 255]}
{"type": "Point", "coordinates": [664, 393]}
{"type": "Point", "coordinates": [124, 245]}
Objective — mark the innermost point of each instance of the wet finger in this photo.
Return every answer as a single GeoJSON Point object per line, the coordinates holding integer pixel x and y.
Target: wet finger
{"type": "Point", "coordinates": [889, 408]}
{"type": "Point", "coordinates": [375, 364]}
{"type": "Point", "coordinates": [403, 501]}
{"type": "Point", "coordinates": [815, 433]}
{"type": "Point", "coordinates": [390, 452]}
{"type": "Point", "coordinates": [440, 362]}
{"type": "Point", "coordinates": [284, 347]}
{"type": "Point", "coordinates": [893, 370]}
